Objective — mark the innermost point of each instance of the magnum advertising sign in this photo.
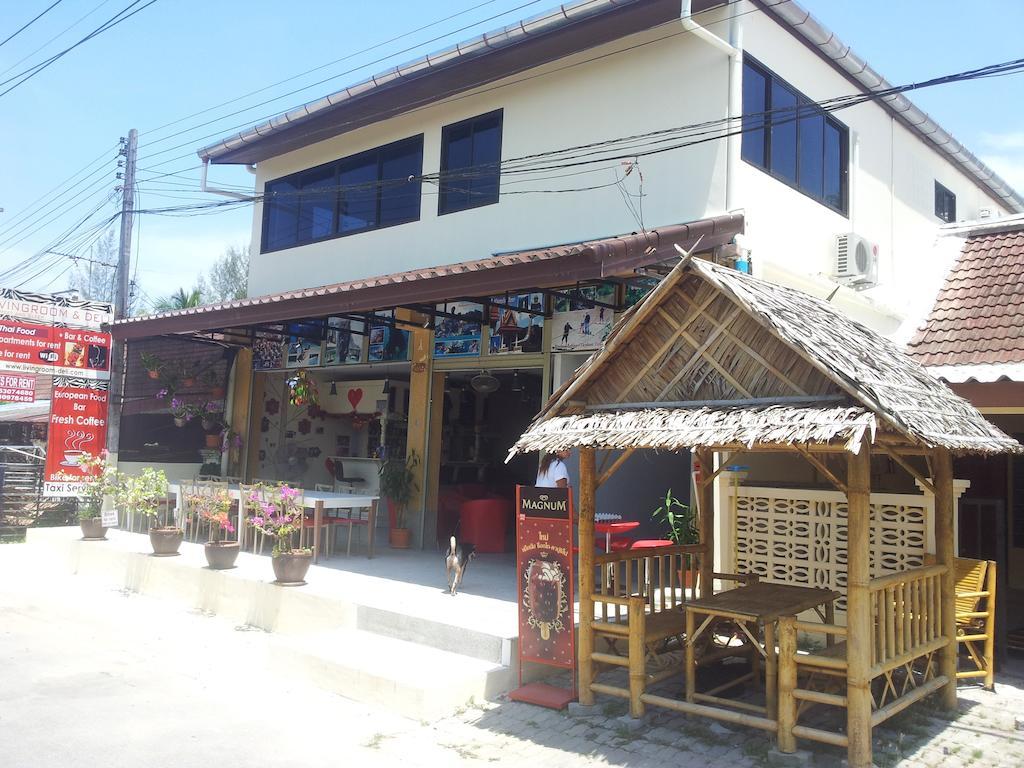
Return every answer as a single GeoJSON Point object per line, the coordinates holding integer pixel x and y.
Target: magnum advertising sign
{"type": "Point", "coordinates": [545, 572]}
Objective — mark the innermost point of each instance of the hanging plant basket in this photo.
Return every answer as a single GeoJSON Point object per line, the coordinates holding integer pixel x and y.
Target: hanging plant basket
{"type": "Point", "coordinates": [179, 421]}
{"type": "Point", "coordinates": [154, 375]}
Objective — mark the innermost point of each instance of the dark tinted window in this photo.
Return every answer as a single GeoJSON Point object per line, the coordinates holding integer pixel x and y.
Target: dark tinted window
{"type": "Point", "coordinates": [754, 106]}
{"type": "Point", "coordinates": [797, 142]}
{"type": "Point", "coordinates": [470, 163]}
{"type": "Point", "coordinates": [945, 204]}
{"type": "Point", "coordinates": [356, 194]}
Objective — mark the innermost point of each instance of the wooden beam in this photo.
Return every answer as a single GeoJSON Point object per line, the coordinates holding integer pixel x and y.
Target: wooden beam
{"type": "Point", "coordinates": [615, 466]}
{"type": "Point", "coordinates": [747, 401]}
{"type": "Point", "coordinates": [909, 468]}
{"type": "Point", "coordinates": [706, 496]}
{"type": "Point", "coordinates": [696, 356]}
{"type": "Point", "coordinates": [858, 608]}
{"type": "Point", "coordinates": [753, 354]}
{"type": "Point", "coordinates": [945, 503]}
{"type": "Point", "coordinates": [823, 468]}
{"type": "Point", "coordinates": [588, 490]}
{"type": "Point", "coordinates": [725, 463]}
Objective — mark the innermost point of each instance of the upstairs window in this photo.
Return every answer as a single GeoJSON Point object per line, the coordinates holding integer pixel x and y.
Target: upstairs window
{"type": "Point", "coordinates": [945, 204]}
{"type": "Point", "coordinates": [791, 138]}
{"type": "Point", "coordinates": [367, 191]}
{"type": "Point", "coordinates": [470, 163]}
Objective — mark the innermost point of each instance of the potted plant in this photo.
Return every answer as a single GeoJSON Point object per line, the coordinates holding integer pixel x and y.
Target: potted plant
{"type": "Point", "coordinates": [100, 479]}
{"type": "Point", "coordinates": [276, 512]}
{"type": "Point", "coordinates": [211, 413]}
{"type": "Point", "coordinates": [208, 379]}
{"type": "Point", "coordinates": [398, 486]}
{"type": "Point", "coordinates": [682, 526]}
{"type": "Point", "coordinates": [145, 493]}
{"type": "Point", "coordinates": [215, 509]}
{"type": "Point", "coordinates": [230, 443]}
{"type": "Point", "coordinates": [181, 411]}
{"type": "Point", "coordinates": [153, 365]}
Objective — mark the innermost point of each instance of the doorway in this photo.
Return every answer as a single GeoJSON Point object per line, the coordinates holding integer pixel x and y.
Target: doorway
{"type": "Point", "coordinates": [484, 413]}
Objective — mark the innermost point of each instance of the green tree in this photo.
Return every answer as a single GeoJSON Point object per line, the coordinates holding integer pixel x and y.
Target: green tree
{"type": "Point", "coordinates": [229, 276]}
{"type": "Point", "coordinates": [93, 275]}
{"type": "Point", "coordinates": [180, 299]}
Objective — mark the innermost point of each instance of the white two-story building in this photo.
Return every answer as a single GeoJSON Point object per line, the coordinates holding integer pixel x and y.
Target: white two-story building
{"type": "Point", "coordinates": [440, 245]}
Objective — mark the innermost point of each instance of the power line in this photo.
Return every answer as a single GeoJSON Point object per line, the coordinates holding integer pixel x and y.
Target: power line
{"type": "Point", "coordinates": [55, 37]}
{"type": "Point", "coordinates": [30, 23]}
{"type": "Point", "coordinates": [31, 72]}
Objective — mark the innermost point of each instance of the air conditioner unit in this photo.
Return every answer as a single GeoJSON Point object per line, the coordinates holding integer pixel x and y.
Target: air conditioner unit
{"type": "Point", "coordinates": [856, 261]}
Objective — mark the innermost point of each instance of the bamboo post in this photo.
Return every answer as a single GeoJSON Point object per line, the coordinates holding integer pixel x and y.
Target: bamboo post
{"type": "Point", "coordinates": [942, 466]}
{"type": "Point", "coordinates": [691, 666]}
{"type": "Point", "coordinates": [585, 540]}
{"type": "Point", "coordinates": [637, 671]}
{"type": "Point", "coordinates": [706, 504]}
{"type": "Point", "coordinates": [990, 627]}
{"type": "Point", "coordinates": [858, 609]}
{"type": "Point", "coordinates": [787, 683]}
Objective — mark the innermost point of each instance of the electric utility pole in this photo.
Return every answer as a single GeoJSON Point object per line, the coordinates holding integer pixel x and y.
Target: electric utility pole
{"type": "Point", "coordinates": [124, 258]}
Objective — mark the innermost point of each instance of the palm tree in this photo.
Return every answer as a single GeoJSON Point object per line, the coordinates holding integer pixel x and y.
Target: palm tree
{"type": "Point", "coordinates": [180, 299]}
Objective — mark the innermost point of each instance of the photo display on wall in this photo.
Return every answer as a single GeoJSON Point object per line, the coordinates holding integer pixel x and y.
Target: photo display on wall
{"type": "Point", "coordinates": [268, 354]}
{"type": "Point", "coordinates": [458, 336]}
{"type": "Point", "coordinates": [638, 289]}
{"type": "Point", "coordinates": [387, 343]}
{"type": "Point", "coordinates": [513, 329]}
{"type": "Point", "coordinates": [304, 344]}
{"type": "Point", "coordinates": [344, 344]}
{"type": "Point", "coordinates": [577, 322]}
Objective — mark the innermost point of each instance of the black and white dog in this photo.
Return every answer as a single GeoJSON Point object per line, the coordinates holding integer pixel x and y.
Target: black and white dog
{"type": "Point", "coordinates": [457, 562]}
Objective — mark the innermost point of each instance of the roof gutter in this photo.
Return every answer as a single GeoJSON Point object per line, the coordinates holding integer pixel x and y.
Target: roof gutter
{"type": "Point", "coordinates": [226, 193]}
{"type": "Point", "coordinates": [826, 44]}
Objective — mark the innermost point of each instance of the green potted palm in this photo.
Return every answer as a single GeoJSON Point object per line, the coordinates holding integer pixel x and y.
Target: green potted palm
{"type": "Point", "coordinates": [277, 513]}
{"type": "Point", "coordinates": [215, 509]}
{"type": "Point", "coordinates": [145, 494]}
{"type": "Point", "coordinates": [100, 479]}
{"type": "Point", "coordinates": [398, 486]}
{"type": "Point", "coordinates": [681, 524]}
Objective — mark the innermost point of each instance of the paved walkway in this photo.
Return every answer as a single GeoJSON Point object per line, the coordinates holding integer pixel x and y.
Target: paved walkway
{"type": "Point", "coordinates": [97, 677]}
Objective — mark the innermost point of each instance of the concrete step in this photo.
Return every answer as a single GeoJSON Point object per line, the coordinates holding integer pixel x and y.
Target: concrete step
{"type": "Point", "coordinates": [408, 678]}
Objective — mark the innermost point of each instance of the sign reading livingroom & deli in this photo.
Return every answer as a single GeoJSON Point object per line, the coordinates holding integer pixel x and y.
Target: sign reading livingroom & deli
{"type": "Point", "coordinates": [545, 572]}
{"type": "Point", "coordinates": [78, 425]}
{"type": "Point", "coordinates": [46, 309]}
{"type": "Point", "coordinates": [29, 348]}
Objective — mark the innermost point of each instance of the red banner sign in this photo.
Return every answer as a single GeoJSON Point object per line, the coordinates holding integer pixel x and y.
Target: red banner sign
{"type": "Point", "coordinates": [545, 571]}
{"type": "Point", "coordinates": [57, 351]}
{"type": "Point", "coordinates": [78, 425]}
{"type": "Point", "coordinates": [17, 389]}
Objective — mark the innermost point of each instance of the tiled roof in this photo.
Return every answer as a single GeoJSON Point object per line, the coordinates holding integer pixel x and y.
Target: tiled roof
{"type": "Point", "coordinates": [978, 317]}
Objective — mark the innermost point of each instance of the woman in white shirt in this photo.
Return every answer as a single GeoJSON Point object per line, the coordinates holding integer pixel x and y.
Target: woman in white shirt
{"type": "Point", "coordinates": [553, 473]}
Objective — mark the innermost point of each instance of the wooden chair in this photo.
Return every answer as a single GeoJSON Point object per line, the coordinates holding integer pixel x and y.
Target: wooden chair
{"type": "Point", "coordinates": [257, 536]}
{"type": "Point", "coordinates": [975, 617]}
{"type": "Point", "coordinates": [345, 517]}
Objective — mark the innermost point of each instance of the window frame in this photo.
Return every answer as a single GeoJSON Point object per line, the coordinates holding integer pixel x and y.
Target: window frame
{"type": "Point", "coordinates": [770, 79]}
{"type": "Point", "coordinates": [335, 167]}
{"type": "Point", "coordinates": [947, 194]}
{"type": "Point", "coordinates": [442, 209]}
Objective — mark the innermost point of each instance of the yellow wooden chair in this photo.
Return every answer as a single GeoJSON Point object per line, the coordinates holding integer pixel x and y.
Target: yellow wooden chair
{"type": "Point", "coordinates": [975, 616]}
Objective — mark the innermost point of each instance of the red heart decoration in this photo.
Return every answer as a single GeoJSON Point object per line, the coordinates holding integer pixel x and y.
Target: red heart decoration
{"type": "Point", "coordinates": [354, 396]}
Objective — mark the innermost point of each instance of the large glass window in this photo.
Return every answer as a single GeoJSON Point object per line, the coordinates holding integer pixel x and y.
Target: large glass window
{"type": "Point", "coordinates": [470, 163]}
{"type": "Point", "coordinates": [356, 194]}
{"type": "Point", "coordinates": [945, 204]}
{"type": "Point", "coordinates": [793, 139]}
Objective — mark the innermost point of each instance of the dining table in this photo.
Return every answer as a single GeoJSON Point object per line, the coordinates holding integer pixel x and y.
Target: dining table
{"type": "Point", "coordinates": [759, 606]}
{"type": "Point", "coordinates": [318, 502]}
{"type": "Point", "coordinates": [612, 528]}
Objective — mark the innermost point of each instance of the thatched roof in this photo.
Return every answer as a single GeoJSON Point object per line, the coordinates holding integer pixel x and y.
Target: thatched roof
{"type": "Point", "coordinates": [714, 357]}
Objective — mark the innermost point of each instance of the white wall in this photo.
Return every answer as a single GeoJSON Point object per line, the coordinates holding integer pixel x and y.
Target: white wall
{"type": "Point", "coordinates": [629, 93]}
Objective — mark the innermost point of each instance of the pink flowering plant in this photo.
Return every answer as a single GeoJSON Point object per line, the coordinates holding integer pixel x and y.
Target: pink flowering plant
{"type": "Point", "coordinates": [214, 508]}
{"type": "Point", "coordinates": [101, 478]}
{"type": "Point", "coordinates": [276, 511]}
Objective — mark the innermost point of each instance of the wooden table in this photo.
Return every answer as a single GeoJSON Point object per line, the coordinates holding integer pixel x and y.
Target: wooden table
{"type": "Point", "coordinates": [317, 501]}
{"type": "Point", "coordinates": [760, 604]}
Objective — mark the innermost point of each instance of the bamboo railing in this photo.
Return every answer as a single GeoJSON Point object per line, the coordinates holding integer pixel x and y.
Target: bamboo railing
{"type": "Point", "coordinates": [906, 633]}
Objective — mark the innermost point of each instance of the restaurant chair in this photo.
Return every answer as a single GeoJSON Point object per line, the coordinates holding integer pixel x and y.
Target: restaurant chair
{"type": "Point", "coordinates": [257, 536]}
{"type": "Point", "coordinates": [975, 617]}
{"type": "Point", "coordinates": [351, 517]}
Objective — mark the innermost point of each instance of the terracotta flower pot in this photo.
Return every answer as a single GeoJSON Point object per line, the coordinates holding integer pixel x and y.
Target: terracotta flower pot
{"type": "Point", "coordinates": [189, 382]}
{"type": "Point", "coordinates": [179, 421]}
{"type": "Point", "coordinates": [92, 529]}
{"type": "Point", "coordinates": [154, 375]}
{"type": "Point", "coordinates": [165, 541]}
{"type": "Point", "coordinates": [400, 538]}
{"type": "Point", "coordinates": [221, 554]}
{"type": "Point", "coordinates": [217, 392]}
{"type": "Point", "coordinates": [213, 441]}
{"type": "Point", "coordinates": [290, 568]}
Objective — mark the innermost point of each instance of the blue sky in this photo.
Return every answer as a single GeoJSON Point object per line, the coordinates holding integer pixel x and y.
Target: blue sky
{"type": "Point", "coordinates": [178, 57]}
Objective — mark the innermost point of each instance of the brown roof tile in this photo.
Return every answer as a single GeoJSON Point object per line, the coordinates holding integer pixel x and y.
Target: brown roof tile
{"type": "Point", "coordinates": [978, 315]}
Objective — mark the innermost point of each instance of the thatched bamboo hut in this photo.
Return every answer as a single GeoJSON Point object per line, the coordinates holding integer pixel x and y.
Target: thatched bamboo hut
{"type": "Point", "coordinates": [719, 362]}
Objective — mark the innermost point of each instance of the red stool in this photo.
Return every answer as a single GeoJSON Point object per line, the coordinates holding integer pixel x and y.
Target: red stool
{"type": "Point", "coordinates": [484, 522]}
{"type": "Point", "coordinates": [644, 543]}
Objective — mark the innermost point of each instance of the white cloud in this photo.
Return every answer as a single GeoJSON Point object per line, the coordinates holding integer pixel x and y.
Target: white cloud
{"type": "Point", "coordinates": [1009, 167]}
{"type": "Point", "coordinates": [1009, 140]}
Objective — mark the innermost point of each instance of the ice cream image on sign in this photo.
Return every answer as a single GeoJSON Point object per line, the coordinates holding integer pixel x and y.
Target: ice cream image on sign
{"type": "Point", "coordinates": [545, 598]}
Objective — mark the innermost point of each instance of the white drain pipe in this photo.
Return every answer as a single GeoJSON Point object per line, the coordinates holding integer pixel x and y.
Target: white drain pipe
{"type": "Point", "coordinates": [226, 193]}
